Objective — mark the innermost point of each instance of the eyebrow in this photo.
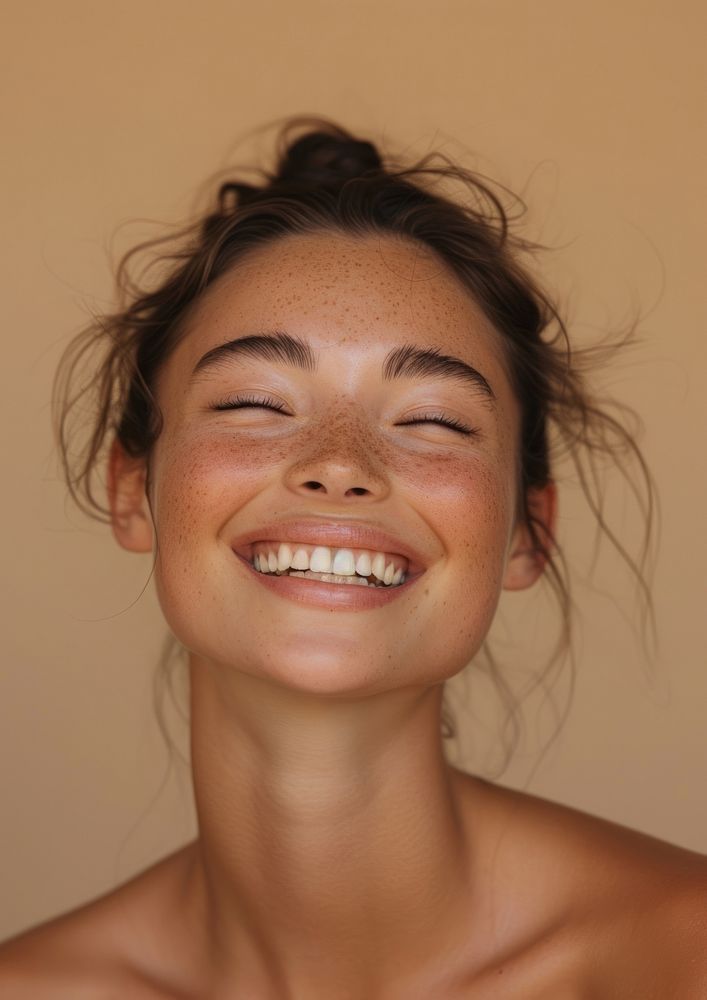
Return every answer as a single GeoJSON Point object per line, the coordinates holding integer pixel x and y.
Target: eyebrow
{"type": "Point", "coordinates": [281, 347]}
{"type": "Point", "coordinates": [407, 361]}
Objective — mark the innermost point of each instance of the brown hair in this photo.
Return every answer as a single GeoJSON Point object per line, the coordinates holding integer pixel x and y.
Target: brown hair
{"type": "Point", "coordinates": [325, 179]}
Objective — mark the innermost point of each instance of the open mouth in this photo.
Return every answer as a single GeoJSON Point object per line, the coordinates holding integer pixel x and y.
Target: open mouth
{"type": "Point", "coordinates": [349, 567]}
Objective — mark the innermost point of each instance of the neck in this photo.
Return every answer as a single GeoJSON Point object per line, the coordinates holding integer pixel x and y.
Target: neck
{"type": "Point", "coordinates": [332, 847]}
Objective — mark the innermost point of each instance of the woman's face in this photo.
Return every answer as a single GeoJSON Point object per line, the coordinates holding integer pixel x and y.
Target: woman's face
{"type": "Point", "coordinates": [327, 429]}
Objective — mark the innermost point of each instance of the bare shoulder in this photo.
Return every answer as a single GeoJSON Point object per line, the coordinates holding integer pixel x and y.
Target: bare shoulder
{"type": "Point", "coordinates": [622, 913]}
{"type": "Point", "coordinates": [654, 936]}
{"type": "Point", "coordinates": [104, 950]}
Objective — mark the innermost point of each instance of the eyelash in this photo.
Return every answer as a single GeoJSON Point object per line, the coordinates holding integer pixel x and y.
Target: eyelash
{"type": "Point", "coordinates": [433, 418]}
{"type": "Point", "coordinates": [267, 402]}
{"type": "Point", "coordinates": [241, 402]}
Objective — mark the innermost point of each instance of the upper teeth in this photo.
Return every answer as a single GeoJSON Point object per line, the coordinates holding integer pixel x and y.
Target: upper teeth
{"type": "Point", "coordinates": [278, 557]}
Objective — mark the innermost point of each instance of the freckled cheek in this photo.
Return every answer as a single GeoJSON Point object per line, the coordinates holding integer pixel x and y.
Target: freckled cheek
{"type": "Point", "coordinates": [471, 507]}
{"type": "Point", "coordinates": [469, 500]}
{"type": "Point", "coordinates": [200, 482]}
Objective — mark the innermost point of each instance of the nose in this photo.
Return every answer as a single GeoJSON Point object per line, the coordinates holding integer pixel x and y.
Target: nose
{"type": "Point", "coordinates": [342, 463]}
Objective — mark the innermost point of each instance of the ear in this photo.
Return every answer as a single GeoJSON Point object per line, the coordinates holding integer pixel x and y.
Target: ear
{"type": "Point", "coordinates": [525, 562]}
{"type": "Point", "coordinates": [130, 514]}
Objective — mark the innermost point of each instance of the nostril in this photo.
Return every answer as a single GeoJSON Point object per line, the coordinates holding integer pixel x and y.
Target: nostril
{"type": "Point", "coordinates": [358, 490]}
{"type": "Point", "coordinates": [313, 485]}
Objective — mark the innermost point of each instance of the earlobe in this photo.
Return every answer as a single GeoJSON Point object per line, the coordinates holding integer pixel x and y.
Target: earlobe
{"type": "Point", "coordinates": [131, 518]}
{"type": "Point", "coordinates": [526, 560]}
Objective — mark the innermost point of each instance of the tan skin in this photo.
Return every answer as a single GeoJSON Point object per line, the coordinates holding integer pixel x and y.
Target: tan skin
{"type": "Point", "coordinates": [339, 856]}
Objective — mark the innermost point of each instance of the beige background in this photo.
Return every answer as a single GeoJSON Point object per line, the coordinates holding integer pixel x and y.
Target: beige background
{"type": "Point", "coordinates": [118, 111]}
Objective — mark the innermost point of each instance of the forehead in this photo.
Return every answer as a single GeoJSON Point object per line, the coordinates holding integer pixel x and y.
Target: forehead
{"type": "Point", "coordinates": [344, 292]}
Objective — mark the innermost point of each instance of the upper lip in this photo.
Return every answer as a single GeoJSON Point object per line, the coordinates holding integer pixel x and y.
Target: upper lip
{"type": "Point", "coordinates": [343, 535]}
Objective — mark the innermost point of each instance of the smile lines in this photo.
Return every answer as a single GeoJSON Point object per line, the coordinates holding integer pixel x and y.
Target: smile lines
{"type": "Point", "coordinates": [320, 562]}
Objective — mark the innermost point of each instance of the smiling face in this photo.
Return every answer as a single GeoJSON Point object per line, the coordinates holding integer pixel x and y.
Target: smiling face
{"type": "Point", "coordinates": [362, 409]}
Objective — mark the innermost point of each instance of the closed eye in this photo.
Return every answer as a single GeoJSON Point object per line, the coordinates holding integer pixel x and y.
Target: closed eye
{"type": "Point", "coordinates": [241, 402]}
{"type": "Point", "coordinates": [433, 418]}
{"type": "Point", "coordinates": [244, 401]}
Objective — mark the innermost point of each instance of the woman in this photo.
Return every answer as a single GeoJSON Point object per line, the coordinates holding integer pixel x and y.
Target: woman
{"type": "Point", "coordinates": [330, 421]}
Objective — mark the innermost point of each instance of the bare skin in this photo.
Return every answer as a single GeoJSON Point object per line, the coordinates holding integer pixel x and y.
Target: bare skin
{"type": "Point", "coordinates": [591, 910]}
{"type": "Point", "coordinates": [339, 856]}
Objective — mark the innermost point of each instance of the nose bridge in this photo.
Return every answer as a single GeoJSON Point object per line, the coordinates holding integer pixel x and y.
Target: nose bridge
{"type": "Point", "coordinates": [342, 457]}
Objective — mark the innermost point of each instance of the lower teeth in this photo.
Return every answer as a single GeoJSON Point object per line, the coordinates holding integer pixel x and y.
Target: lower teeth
{"type": "Point", "coordinates": [334, 578]}
{"type": "Point", "coordinates": [359, 581]}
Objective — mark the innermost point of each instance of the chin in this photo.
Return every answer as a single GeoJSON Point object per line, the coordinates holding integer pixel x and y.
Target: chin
{"type": "Point", "coordinates": [338, 668]}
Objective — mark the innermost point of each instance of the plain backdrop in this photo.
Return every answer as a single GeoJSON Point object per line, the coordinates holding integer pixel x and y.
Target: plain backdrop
{"type": "Point", "coordinates": [118, 112]}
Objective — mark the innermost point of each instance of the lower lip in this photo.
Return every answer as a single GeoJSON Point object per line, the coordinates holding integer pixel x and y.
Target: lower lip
{"type": "Point", "coordinates": [333, 596]}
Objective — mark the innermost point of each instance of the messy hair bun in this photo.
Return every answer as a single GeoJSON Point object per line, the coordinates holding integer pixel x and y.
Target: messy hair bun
{"type": "Point", "coordinates": [327, 158]}
{"type": "Point", "coordinates": [323, 159]}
